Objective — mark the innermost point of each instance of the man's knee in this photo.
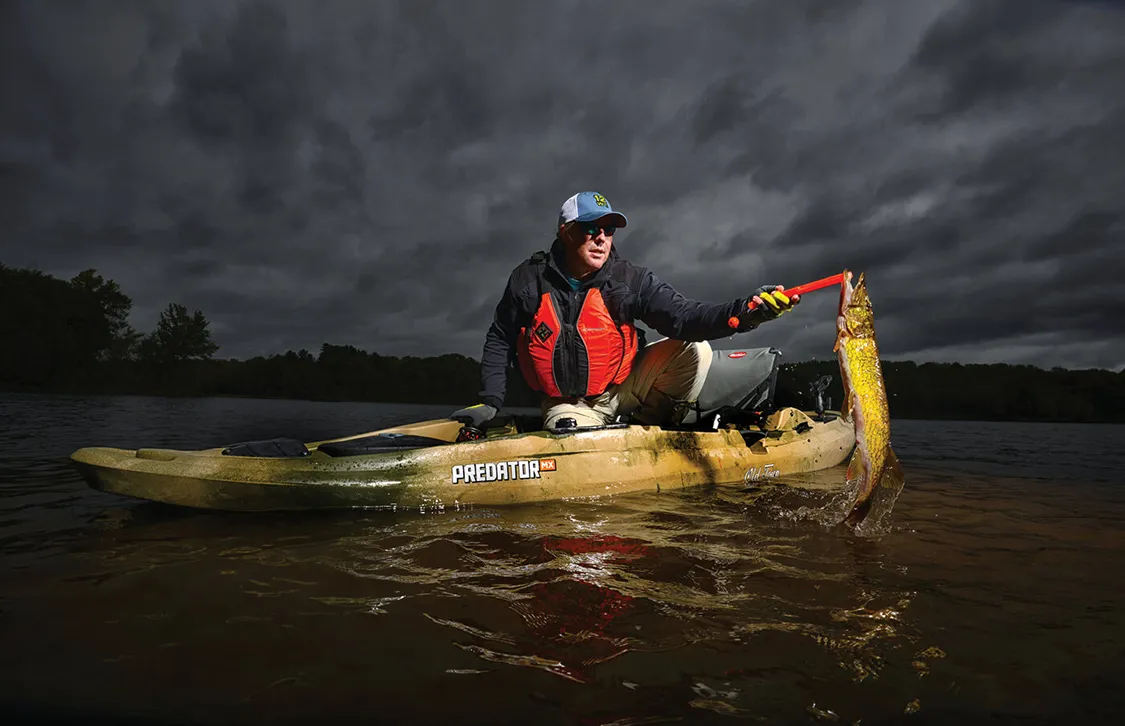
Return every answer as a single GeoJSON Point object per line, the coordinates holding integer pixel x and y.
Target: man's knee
{"type": "Point", "coordinates": [582, 415]}
{"type": "Point", "coordinates": [670, 349]}
{"type": "Point", "coordinates": [683, 359]}
{"type": "Point", "coordinates": [698, 351]}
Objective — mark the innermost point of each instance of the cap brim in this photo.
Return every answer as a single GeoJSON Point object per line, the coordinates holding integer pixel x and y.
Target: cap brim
{"type": "Point", "coordinates": [617, 218]}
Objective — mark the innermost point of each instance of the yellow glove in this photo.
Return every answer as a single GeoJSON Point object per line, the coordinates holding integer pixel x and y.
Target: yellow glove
{"type": "Point", "coordinates": [772, 302]}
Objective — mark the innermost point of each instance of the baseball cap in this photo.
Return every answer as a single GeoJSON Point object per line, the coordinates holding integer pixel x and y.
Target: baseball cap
{"type": "Point", "coordinates": [588, 206]}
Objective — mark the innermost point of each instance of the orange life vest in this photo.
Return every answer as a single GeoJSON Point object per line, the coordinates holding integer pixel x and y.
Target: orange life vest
{"type": "Point", "coordinates": [583, 359]}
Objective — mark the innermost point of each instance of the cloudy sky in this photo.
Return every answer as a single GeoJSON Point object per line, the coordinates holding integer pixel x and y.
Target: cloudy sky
{"type": "Point", "coordinates": [368, 173]}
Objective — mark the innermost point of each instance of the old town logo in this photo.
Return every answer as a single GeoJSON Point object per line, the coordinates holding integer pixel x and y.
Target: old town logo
{"type": "Point", "coordinates": [501, 471]}
{"type": "Point", "coordinates": [761, 473]}
{"type": "Point", "coordinates": [543, 332]}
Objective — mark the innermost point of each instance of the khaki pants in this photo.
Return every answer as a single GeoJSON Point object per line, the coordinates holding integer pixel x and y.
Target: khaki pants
{"type": "Point", "coordinates": [666, 376]}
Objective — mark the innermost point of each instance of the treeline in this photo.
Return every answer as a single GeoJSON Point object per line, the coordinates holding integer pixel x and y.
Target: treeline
{"type": "Point", "coordinates": [991, 392]}
{"type": "Point", "coordinates": [74, 336]}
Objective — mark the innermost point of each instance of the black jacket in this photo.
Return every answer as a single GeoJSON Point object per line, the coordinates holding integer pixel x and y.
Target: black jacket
{"type": "Point", "coordinates": [630, 293]}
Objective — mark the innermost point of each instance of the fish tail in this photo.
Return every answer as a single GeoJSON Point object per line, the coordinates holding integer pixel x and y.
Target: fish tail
{"type": "Point", "coordinates": [893, 476]}
{"type": "Point", "coordinates": [883, 495]}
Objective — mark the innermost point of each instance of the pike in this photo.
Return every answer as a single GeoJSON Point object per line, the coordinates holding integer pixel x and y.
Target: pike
{"type": "Point", "coordinates": [874, 468]}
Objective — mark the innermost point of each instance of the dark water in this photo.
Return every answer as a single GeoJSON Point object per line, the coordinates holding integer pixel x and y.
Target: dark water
{"type": "Point", "coordinates": [995, 598]}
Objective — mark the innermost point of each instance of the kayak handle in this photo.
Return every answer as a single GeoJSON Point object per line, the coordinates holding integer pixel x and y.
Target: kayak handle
{"type": "Point", "coordinates": [736, 320]}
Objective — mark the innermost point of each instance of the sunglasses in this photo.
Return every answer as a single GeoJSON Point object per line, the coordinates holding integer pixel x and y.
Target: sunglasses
{"type": "Point", "coordinates": [591, 229]}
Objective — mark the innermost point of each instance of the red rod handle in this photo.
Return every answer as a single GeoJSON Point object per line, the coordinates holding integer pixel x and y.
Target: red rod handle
{"type": "Point", "coordinates": [820, 284]}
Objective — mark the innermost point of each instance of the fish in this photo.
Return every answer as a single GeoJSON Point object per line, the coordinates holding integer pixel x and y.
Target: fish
{"type": "Point", "coordinates": [874, 470]}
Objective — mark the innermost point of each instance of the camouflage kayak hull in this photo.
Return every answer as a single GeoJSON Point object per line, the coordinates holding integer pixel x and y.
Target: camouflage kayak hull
{"type": "Point", "coordinates": [507, 469]}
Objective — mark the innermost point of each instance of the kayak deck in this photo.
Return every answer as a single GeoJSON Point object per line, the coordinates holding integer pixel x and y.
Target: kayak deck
{"type": "Point", "coordinates": [508, 468]}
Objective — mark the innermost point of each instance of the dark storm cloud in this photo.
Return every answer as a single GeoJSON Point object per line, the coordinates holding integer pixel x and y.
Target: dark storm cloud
{"type": "Point", "coordinates": [985, 53]}
{"type": "Point", "coordinates": [1089, 232]}
{"type": "Point", "coordinates": [369, 173]}
{"type": "Point", "coordinates": [244, 85]}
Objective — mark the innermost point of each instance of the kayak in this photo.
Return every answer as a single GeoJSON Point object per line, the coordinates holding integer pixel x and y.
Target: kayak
{"type": "Point", "coordinates": [421, 466]}
{"type": "Point", "coordinates": [427, 465]}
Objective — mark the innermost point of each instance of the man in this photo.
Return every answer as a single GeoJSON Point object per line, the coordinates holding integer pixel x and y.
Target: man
{"type": "Point", "coordinates": [566, 318]}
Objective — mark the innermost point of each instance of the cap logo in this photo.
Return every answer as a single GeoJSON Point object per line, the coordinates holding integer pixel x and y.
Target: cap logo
{"type": "Point", "coordinates": [600, 200]}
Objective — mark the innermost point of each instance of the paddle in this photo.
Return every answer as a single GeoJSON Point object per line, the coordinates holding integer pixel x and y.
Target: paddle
{"type": "Point", "coordinates": [820, 284]}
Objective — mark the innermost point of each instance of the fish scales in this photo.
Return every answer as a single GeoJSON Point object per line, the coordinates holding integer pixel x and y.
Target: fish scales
{"type": "Point", "coordinates": [874, 467]}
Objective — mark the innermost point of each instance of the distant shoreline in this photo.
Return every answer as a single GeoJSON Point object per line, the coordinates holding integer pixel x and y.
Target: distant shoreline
{"type": "Point", "coordinates": [73, 337]}
{"type": "Point", "coordinates": [789, 387]}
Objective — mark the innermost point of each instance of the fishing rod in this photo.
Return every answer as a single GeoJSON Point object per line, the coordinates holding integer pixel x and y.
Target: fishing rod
{"type": "Point", "coordinates": [735, 321]}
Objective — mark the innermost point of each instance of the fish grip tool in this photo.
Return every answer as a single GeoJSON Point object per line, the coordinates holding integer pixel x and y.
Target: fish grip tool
{"type": "Point", "coordinates": [736, 321]}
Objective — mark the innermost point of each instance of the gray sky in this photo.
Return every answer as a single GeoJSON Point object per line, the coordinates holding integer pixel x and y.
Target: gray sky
{"type": "Point", "coordinates": [368, 173]}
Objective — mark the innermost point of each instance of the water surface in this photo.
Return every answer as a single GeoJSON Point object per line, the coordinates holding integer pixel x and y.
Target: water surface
{"type": "Point", "coordinates": [995, 597]}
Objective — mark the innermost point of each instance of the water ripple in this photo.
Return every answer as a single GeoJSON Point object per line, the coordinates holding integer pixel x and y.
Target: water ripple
{"type": "Point", "coordinates": [993, 589]}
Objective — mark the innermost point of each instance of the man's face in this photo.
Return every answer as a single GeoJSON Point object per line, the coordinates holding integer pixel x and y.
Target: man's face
{"type": "Point", "coordinates": [587, 246]}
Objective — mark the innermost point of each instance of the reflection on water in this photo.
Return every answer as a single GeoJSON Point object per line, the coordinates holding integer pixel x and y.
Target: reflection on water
{"type": "Point", "coordinates": [992, 596]}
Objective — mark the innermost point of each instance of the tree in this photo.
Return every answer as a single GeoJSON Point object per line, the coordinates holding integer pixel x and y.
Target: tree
{"type": "Point", "coordinates": [50, 331]}
{"type": "Point", "coordinates": [115, 305]}
{"type": "Point", "coordinates": [178, 337]}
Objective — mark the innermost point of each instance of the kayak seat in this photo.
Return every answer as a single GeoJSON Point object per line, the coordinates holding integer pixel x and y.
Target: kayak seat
{"type": "Point", "coordinates": [739, 388]}
{"type": "Point", "coordinates": [268, 449]}
{"type": "Point", "coordinates": [378, 444]}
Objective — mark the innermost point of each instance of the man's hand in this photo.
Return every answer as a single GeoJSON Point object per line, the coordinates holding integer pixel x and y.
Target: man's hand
{"type": "Point", "coordinates": [476, 416]}
{"type": "Point", "coordinates": [771, 303]}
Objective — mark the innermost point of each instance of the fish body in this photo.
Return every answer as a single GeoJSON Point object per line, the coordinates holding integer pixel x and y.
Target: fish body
{"type": "Point", "coordinates": [874, 469]}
